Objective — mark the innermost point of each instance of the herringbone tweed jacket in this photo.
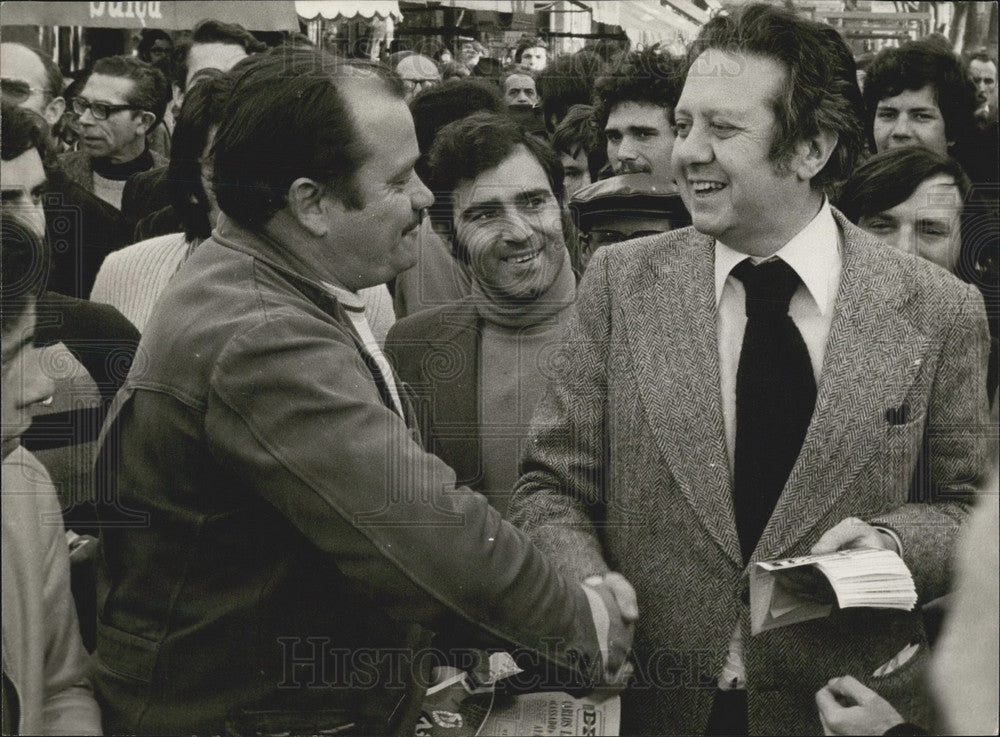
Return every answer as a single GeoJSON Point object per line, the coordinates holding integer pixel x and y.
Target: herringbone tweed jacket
{"type": "Point", "coordinates": [628, 469]}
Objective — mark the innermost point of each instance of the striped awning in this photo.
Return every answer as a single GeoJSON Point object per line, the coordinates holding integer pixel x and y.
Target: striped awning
{"type": "Point", "coordinates": [347, 9]}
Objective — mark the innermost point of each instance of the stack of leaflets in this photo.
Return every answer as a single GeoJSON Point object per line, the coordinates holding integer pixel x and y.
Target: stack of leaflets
{"type": "Point", "coordinates": [791, 590]}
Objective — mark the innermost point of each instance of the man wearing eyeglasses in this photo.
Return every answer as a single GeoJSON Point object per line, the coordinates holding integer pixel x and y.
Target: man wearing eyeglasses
{"type": "Point", "coordinates": [31, 80]}
{"type": "Point", "coordinates": [81, 228]}
{"type": "Point", "coordinates": [418, 72]}
{"type": "Point", "coordinates": [622, 208]}
{"type": "Point", "coordinates": [121, 101]}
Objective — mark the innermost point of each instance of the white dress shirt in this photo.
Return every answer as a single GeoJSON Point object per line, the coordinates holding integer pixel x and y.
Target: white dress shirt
{"type": "Point", "coordinates": [815, 254]}
{"type": "Point", "coordinates": [354, 306]}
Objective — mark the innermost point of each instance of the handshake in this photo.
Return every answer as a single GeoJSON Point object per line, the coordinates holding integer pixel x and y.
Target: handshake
{"type": "Point", "coordinates": [614, 609]}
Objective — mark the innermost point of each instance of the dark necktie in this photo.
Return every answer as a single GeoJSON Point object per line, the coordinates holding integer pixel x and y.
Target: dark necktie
{"type": "Point", "coordinates": [775, 397]}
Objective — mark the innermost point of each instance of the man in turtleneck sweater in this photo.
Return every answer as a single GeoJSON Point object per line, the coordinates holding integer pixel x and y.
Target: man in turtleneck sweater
{"type": "Point", "coordinates": [479, 363]}
{"type": "Point", "coordinates": [121, 101]}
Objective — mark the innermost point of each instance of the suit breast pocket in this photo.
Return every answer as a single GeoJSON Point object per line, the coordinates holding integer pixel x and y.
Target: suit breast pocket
{"type": "Point", "coordinates": [898, 450]}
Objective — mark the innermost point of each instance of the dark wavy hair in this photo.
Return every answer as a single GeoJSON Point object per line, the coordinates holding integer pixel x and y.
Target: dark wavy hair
{"type": "Point", "coordinates": [434, 107]}
{"type": "Point", "coordinates": [24, 268]}
{"type": "Point", "coordinates": [916, 64]}
{"type": "Point", "coordinates": [287, 118]}
{"type": "Point", "coordinates": [466, 148]}
{"type": "Point", "coordinates": [566, 82]}
{"type": "Point", "coordinates": [891, 177]}
{"type": "Point", "coordinates": [525, 43]}
{"type": "Point", "coordinates": [820, 92]}
{"type": "Point", "coordinates": [151, 92]}
{"type": "Point", "coordinates": [203, 106]}
{"type": "Point", "coordinates": [647, 77]}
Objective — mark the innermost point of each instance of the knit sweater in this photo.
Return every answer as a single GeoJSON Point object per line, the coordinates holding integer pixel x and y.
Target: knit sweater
{"type": "Point", "coordinates": [133, 278]}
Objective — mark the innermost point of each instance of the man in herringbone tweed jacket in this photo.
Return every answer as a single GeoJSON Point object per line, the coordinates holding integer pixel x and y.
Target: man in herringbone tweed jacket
{"type": "Point", "coordinates": [630, 464]}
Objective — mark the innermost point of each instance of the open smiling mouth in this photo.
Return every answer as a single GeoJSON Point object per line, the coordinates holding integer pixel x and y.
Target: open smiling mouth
{"type": "Point", "coordinates": [704, 188]}
{"type": "Point", "coordinates": [521, 258]}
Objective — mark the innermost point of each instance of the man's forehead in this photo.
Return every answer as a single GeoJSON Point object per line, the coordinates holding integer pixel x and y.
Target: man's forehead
{"type": "Point", "coordinates": [215, 55]}
{"type": "Point", "coordinates": [986, 68]}
{"type": "Point", "coordinates": [24, 172]}
{"type": "Point", "coordinates": [17, 62]}
{"type": "Point", "coordinates": [940, 190]}
{"type": "Point", "coordinates": [519, 173]}
{"type": "Point", "coordinates": [924, 97]}
{"type": "Point", "coordinates": [106, 88]}
{"type": "Point", "coordinates": [640, 114]}
{"type": "Point", "coordinates": [520, 80]}
{"type": "Point", "coordinates": [417, 67]}
{"type": "Point", "coordinates": [732, 80]}
{"type": "Point", "coordinates": [383, 122]}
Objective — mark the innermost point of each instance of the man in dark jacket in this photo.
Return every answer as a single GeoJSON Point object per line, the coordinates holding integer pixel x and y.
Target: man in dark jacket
{"type": "Point", "coordinates": [277, 546]}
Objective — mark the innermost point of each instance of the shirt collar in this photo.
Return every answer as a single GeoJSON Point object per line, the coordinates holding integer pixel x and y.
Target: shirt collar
{"type": "Point", "coordinates": [812, 253]}
{"type": "Point", "coordinates": [348, 300]}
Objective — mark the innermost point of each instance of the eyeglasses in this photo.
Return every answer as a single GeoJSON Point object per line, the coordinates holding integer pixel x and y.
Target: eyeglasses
{"type": "Point", "coordinates": [100, 110]}
{"type": "Point", "coordinates": [412, 84]}
{"type": "Point", "coordinates": [17, 90]}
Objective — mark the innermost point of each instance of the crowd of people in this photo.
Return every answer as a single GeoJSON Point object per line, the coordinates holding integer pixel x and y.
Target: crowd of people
{"type": "Point", "coordinates": [321, 373]}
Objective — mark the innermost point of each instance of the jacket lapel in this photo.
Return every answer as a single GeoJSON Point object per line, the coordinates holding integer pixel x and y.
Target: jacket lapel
{"type": "Point", "coordinates": [456, 392]}
{"type": "Point", "coordinates": [670, 328]}
{"type": "Point", "coordinates": [873, 351]}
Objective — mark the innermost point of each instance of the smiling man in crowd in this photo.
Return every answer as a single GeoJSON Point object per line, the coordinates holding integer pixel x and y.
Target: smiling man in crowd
{"type": "Point", "coordinates": [771, 382]}
{"type": "Point", "coordinates": [282, 548]}
{"type": "Point", "coordinates": [633, 103]}
{"type": "Point", "coordinates": [121, 101]}
{"type": "Point", "coordinates": [501, 193]}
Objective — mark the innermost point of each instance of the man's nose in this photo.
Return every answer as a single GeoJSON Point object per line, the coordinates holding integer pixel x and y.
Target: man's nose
{"type": "Point", "coordinates": [904, 239]}
{"type": "Point", "coordinates": [902, 127]}
{"type": "Point", "coordinates": [691, 149]}
{"type": "Point", "coordinates": [516, 228]}
{"type": "Point", "coordinates": [422, 197]}
{"type": "Point", "coordinates": [627, 150]}
{"type": "Point", "coordinates": [86, 117]}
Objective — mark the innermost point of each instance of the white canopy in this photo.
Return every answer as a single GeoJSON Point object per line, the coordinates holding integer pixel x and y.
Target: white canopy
{"type": "Point", "coordinates": [347, 9]}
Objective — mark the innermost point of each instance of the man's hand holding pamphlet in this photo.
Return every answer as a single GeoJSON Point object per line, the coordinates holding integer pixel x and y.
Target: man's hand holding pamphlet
{"type": "Point", "coordinates": [779, 592]}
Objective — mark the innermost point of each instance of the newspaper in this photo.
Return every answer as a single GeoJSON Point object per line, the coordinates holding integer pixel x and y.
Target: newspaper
{"type": "Point", "coordinates": [555, 713]}
{"type": "Point", "coordinates": [459, 706]}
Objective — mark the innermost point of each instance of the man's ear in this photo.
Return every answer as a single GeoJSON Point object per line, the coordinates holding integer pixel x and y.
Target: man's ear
{"type": "Point", "coordinates": [309, 207]}
{"type": "Point", "coordinates": [811, 154]}
{"type": "Point", "coordinates": [54, 111]}
{"type": "Point", "coordinates": [145, 120]}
